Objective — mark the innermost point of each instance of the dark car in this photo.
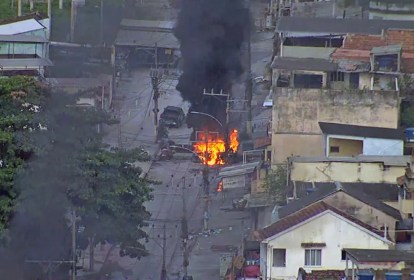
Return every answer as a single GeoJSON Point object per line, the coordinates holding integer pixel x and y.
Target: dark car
{"type": "Point", "coordinates": [173, 116]}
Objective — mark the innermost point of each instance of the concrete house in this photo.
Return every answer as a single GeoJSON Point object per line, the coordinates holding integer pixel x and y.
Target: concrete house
{"type": "Point", "coordinates": [344, 140]}
{"type": "Point", "coordinates": [352, 200]}
{"type": "Point", "coordinates": [335, 71]}
{"type": "Point", "coordinates": [140, 40]}
{"type": "Point", "coordinates": [314, 238]}
{"type": "Point", "coordinates": [357, 169]}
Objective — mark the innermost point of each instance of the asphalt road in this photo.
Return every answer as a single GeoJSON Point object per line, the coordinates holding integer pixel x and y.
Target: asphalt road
{"type": "Point", "coordinates": [134, 109]}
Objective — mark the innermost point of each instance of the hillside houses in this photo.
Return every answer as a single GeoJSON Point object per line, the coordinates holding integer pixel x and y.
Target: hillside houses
{"type": "Point", "coordinates": [335, 129]}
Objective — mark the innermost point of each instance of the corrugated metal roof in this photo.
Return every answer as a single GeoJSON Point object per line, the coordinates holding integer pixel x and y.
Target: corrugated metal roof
{"type": "Point", "coordinates": [339, 26]}
{"type": "Point", "coordinates": [20, 27]}
{"type": "Point", "coordinates": [372, 255]}
{"type": "Point", "coordinates": [22, 38]}
{"type": "Point", "coordinates": [239, 169]}
{"type": "Point", "coordinates": [311, 64]}
{"type": "Point", "coordinates": [146, 39]}
{"type": "Point", "coordinates": [25, 62]}
{"type": "Point", "coordinates": [362, 131]}
{"type": "Point", "coordinates": [147, 24]}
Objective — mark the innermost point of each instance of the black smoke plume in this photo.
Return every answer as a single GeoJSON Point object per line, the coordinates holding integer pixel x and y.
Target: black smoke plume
{"type": "Point", "coordinates": [211, 34]}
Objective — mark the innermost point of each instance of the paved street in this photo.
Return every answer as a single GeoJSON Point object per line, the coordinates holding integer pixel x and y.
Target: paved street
{"type": "Point", "coordinates": [133, 106]}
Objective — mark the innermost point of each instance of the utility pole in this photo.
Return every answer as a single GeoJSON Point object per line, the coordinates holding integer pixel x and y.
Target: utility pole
{"type": "Point", "coordinates": [73, 272]}
{"type": "Point", "coordinates": [72, 20]}
{"type": "Point", "coordinates": [226, 128]}
{"type": "Point", "coordinates": [19, 8]}
{"type": "Point", "coordinates": [184, 230]}
{"type": "Point", "coordinates": [156, 76]}
{"type": "Point", "coordinates": [249, 86]}
{"type": "Point", "coordinates": [101, 24]}
{"type": "Point", "coordinates": [49, 11]}
{"type": "Point", "coordinates": [60, 4]}
{"type": "Point", "coordinates": [164, 246]}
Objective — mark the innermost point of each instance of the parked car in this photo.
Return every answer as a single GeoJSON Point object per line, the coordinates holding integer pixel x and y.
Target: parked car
{"type": "Point", "coordinates": [173, 116]}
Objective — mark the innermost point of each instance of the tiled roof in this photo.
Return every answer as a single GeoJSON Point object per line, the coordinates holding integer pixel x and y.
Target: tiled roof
{"type": "Point", "coordinates": [304, 215]}
{"type": "Point", "coordinates": [331, 188]}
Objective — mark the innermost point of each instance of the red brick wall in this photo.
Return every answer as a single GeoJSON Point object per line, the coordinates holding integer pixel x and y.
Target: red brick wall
{"type": "Point", "coordinates": [391, 37]}
{"type": "Point", "coordinates": [405, 38]}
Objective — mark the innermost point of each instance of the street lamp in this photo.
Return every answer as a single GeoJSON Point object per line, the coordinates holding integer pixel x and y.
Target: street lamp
{"type": "Point", "coordinates": [208, 115]}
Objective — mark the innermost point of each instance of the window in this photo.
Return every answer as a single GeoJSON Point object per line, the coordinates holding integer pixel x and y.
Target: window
{"type": "Point", "coordinates": [279, 257]}
{"type": "Point", "coordinates": [334, 149]}
{"type": "Point", "coordinates": [313, 257]}
{"type": "Point", "coordinates": [337, 76]}
{"type": "Point", "coordinates": [343, 255]}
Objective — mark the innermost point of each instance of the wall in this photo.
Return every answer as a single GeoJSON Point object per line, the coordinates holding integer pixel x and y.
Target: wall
{"type": "Point", "coordinates": [286, 145]}
{"type": "Point", "coordinates": [386, 147]}
{"type": "Point", "coordinates": [406, 206]}
{"type": "Point", "coordinates": [347, 147]}
{"type": "Point", "coordinates": [307, 52]}
{"type": "Point", "coordinates": [319, 230]}
{"type": "Point", "coordinates": [362, 211]}
{"type": "Point", "coordinates": [364, 172]}
{"type": "Point", "coordinates": [364, 81]}
{"type": "Point", "coordinates": [296, 113]}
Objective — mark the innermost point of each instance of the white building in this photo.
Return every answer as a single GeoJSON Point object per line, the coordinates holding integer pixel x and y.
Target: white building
{"type": "Point", "coordinates": [24, 46]}
{"type": "Point", "coordinates": [314, 238]}
{"type": "Point", "coordinates": [353, 140]}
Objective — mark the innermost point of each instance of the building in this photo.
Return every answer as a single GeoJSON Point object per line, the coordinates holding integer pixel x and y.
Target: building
{"type": "Point", "coordinates": [391, 9]}
{"type": "Point", "coordinates": [143, 42]}
{"type": "Point", "coordinates": [297, 113]}
{"type": "Point", "coordinates": [331, 70]}
{"type": "Point", "coordinates": [362, 169]}
{"type": "Point", "coordinates": [24, 46]}
{"type": "Point", "coordinates": [305, 240]}
{"type": "Point", "coordinates": [354, 201]}
{"type": "Point", "coordinates": [373, 262]}
{"type": "Point", "coordinates": [344, 140]}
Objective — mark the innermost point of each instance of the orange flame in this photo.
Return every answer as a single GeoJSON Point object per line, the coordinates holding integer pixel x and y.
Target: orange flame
{"type": "Point", "coordinates": [234, 141]}
{"type": "Point", "coordinates": [210, 147]}
{"type": "Point", "coordinates": [220, 186]}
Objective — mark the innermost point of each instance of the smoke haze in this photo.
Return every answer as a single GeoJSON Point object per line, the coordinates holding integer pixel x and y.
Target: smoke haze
{"type": "Point", "coordinates": [211, 34]}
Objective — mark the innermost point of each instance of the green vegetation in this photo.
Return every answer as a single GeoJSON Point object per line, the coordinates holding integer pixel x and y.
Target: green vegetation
{"type": "Point", "coordinates": [275, 183]}
{"type": "Point", "coordinates": [53, 161]}
{"type": "Point", "coordinates": [18, 98]}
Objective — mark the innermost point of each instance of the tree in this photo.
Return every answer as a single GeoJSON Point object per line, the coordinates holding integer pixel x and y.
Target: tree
{"type": "Point", "coordinates": [20, 100]}
{"type": "Point", "coordinates": [110, 203]}
{"type": "Point", "coordinates": [275, 183]}
{"type": "Point", "coordinates": [58, 163]}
